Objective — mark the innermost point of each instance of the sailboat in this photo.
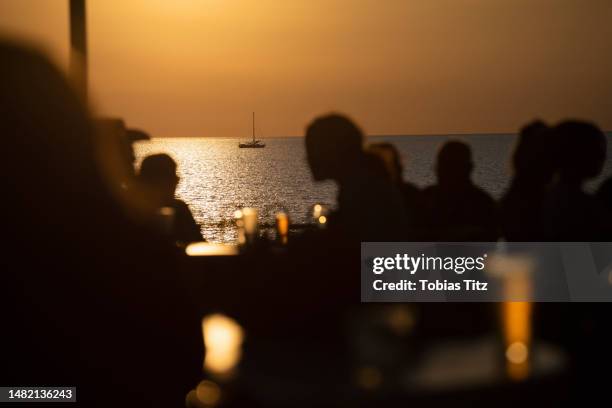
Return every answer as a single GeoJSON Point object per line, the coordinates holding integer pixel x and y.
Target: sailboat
{"type": "Point", "coordinates": [254, 143]}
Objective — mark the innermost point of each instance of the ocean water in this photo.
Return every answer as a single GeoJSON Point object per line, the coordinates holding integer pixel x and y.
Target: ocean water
{"type": "Point", "coordinates": [218, 178]}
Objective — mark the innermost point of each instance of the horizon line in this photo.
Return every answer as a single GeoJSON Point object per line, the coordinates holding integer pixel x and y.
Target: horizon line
{"type": "Point", "coordinates": [458, 134]}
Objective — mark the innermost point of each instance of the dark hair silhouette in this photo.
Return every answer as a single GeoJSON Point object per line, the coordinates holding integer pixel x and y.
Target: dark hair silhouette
{"type": "Point", "coordinates": [158, 180]}
{"type": "Point", "coordinates": [535, 152]}
{"type": "Point", "coordinates": [454, 163]}
{"type": "Point", "coordinates": [158, 167]}
{"type": "Point", "coordinates": [534, 166]}
{"type": "Point", "coordinates": [391, 158]}
{"type": "Point", "coordinates": [570, 213]}
{"type": "Point", "coordinates": [582, 150]}
{"type": "Point", "coordinates": [83, 285]}
{"type": "Point", "coordinates": [376, 166]}
{"type": "Point", "coordinates": [334, 146]}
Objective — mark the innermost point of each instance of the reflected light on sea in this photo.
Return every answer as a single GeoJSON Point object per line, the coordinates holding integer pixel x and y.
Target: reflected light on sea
{"type": "Point", "coordinates": [218, 178]}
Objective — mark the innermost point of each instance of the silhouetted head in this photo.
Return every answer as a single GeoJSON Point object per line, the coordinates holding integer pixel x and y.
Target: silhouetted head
{"type": "Point", "coordinates": [334, 146]}
{"type": "Point", "coordinates": [533, 157]}
{"type": "Point", "coordinates": [582, 150]}
{"type": "Point", "coordinates": [390, 157]}
{"type": "Point", "coordinates": [158, 176]}
{"type": "Point", "coordinates": [374, 166]}
{"type": "Point", "coordinates": [454, 163]}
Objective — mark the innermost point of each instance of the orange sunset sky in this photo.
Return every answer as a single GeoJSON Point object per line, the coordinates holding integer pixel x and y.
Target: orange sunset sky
{"type": "Point", "coordinates": [199, 67]}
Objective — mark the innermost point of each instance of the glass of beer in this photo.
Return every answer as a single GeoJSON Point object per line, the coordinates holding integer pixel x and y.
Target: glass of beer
{"type": "Point", "coordinates": [250, 220]}
{"type": "Point", "coordinates": [282, 226]}
{"type": "Point", "coordinates": [238, 218]}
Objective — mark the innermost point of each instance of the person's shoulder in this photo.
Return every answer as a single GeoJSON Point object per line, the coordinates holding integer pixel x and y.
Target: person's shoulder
{"type": "Point", "coordinates": [180, 206]}
{"type": "Point", "coordinates": [178, 203]}
{"type": "Point", "coordinates": [481, 195]}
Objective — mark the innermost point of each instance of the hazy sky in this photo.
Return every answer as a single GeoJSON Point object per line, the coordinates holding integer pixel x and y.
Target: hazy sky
{"type": "Point", "coordinates": [199, 67]}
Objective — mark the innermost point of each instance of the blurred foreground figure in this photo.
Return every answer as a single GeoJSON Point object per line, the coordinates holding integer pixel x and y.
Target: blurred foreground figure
{"type": "Point", "coordinates": [455, 209]}
{"type": "Point", "coordinates": [90, 298]}
{"type": "Point", "coordinates": [534, 166]}
{"type": "Point", "coordinates": [159, 180]}
{"type": "Point", "coordinates": [370, 207]}
{"type": "Point", "coordinates": [570, 213]}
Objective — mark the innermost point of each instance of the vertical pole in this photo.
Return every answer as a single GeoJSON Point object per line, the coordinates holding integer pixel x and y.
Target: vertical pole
{"type": "Point", "coordinates": [253, 127]}
{"type": "Point", "coordinates": [78, 46]}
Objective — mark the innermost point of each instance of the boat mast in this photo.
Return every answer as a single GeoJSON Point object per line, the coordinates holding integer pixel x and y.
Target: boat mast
{"type": "Point", "coordinates": [253, 127]}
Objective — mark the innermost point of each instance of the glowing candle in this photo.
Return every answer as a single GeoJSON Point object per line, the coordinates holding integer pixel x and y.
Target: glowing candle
{"type": "Point", "coordinates": [223, 340]}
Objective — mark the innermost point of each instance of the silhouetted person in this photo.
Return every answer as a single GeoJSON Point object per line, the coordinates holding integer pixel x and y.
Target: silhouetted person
{"type": "Point", "coordinates": [393, 164]}
{"type": "Point", "coordinates": [455, 209]}
{"type": "Point", "coordinates": [159, 180]}
{"type": "Point", "coordinates": [369, 206]}
{"type": "Point", "coordinates": [570, 213]}
{"type": "Point", "coordinates": [534, 166]}
{"type": "Point", "coordinates": [91, 299]}
{"type": "Point", "coordinates": [374, 165]}
{"type": "Point", "coordinates": [295, 333]}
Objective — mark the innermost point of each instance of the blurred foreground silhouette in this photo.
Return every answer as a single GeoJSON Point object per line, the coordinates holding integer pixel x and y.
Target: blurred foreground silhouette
{"type": "Point", "coordinates": [88, 294]}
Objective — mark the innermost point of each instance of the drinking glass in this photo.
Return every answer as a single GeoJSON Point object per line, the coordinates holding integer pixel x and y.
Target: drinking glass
{"type": "Point", "coordinates": [282, 226]}
{"type": "Point", "coordinates": [250, 219]}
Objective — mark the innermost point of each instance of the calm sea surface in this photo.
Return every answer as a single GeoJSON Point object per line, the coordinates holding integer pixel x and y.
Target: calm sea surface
{"type": "Point", "coordinates": [218, 178]}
